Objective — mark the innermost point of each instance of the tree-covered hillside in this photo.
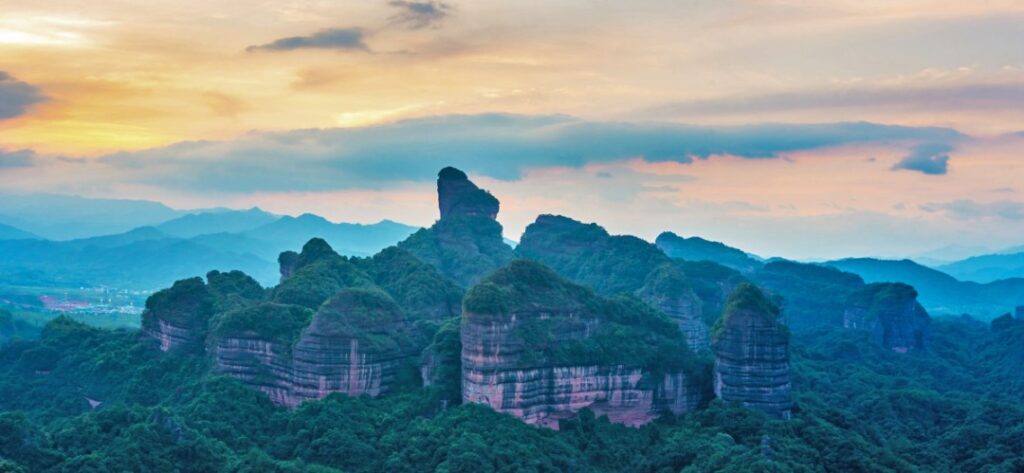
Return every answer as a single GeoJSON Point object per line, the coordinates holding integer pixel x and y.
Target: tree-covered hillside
{"type": "Point", "coordinates": [89, 400]}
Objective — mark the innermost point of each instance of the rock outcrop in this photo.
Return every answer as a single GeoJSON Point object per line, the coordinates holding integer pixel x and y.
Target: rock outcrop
{"type": "Point", "coordinates": [890, 311]}
{"type": "Point", "coordinates": [751, 347]}
{"type": "Point", "coordinates": [466, 243]}
{"type": "Point", "coordinates": [668, 290]}
{"type": "Point", "coordinates": [541, 348]}
{"type": "Point", "coordinates": [357, 343]}
{"type": "Point", "coordinates": [457, 195]}
{"type": "Point", "coordinates": [177, 318]}
{"type": "Point", "coordinates": [254, 345]}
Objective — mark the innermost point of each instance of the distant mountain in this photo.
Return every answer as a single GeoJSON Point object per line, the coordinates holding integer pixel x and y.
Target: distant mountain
{"type": "Point", "coordinates": [948, 254]}
{"type": "Point", "coordinates": [130, 261]}
{"type": "Point", "coordinates": [699, 249]}
{"type": "Point", "coordinates": [149, 257]}
{"type": "Point", "coordinates": [224, 221]}
{"type": "Point", "coordinates": [987, 268]}
{"type": "Point", "coordinates": [8, 232]}
{"type": "Point", "coordinates": [346, 238]}
{"type": "Point", "coordinates": [63, 217]}
{"type": "Point", "coordinates": [939, 292]}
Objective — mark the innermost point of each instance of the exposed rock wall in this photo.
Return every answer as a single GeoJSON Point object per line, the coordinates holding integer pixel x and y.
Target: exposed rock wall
{"type": "Point", "coordinates": [355, 344]}
{"type": "Point", "coordinates": [751, 349]}
{"type": "Point", "coordinates": [890, 311]}
{"type": "Point", "coordinates": [259, 363]}
{"type": "Point", "coordinates": [667, 290]}
{"type": "Point", "coordinates": [457, 195]}
{"type": "Point", "coordinates": [494, 374]}
{"type": "Point", "coordinates": [176, 318]}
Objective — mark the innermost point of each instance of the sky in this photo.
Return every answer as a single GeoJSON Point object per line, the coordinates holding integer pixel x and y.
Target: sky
{"type": "Point", "coordinates": [802, 129]}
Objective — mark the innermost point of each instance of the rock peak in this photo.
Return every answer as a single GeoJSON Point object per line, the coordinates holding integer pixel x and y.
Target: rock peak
{"type": "Point", "coordinates": [457, 195]}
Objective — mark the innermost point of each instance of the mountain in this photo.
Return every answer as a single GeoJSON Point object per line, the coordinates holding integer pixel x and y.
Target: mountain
{"type": "Point", "coordinates": [939, 292]}
{"type": "Point", "coordinates": [540, 348]}
{"type": "Point", "coordinates": [466, 243]}
{"type": "Point", "coordinates": [140, 259]}
{"type": "Point", "coordinates": [987, 268]}
{"type": "Point", "coordinates": [349, 238]}
{"type": "Point", "coordinates": [699, 249]}
{"type": "Point", "coordinates": [8, 232]}
{"type": "Point", "coordinates": [385, 363]}
{"type": "Point", "coordinates": [64, 217]}
{"type": "Point", "coordinates": [226, 221]}
{"type": "Point", "coordinates": [948, 254]}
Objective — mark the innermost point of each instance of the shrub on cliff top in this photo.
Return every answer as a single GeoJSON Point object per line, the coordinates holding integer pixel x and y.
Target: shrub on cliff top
{"type": "Point", "coordinates": [279, 323]}
{"type": "Point", "coordinates": [187, 302]}
{"type": "Point", "coordinates": [748, 299]}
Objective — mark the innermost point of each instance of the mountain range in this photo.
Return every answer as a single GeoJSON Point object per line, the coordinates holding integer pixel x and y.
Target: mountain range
{"type": "Point", "coordinates": [148, 257]}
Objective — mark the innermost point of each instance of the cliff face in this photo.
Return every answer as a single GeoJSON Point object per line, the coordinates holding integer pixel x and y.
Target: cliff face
{"type": "Point", "coordinates": [466, 243]}
{"type": "Point", "coordinates": [357, 343]}
{"type": "Point", "coordinates": [668, 290]}
{"type": "Point", "coordinates": [751, 349]}
{"type": "Point", "coordinates": [176, 318]}
{"type": "Point", "coordinates": [457, 195]}
{"type": "Point", "coordinates": [254, 345]}
{"type": "Point", "coordinates": [890, 311]}
{"type": "Point", "coordinates": [540, 348]}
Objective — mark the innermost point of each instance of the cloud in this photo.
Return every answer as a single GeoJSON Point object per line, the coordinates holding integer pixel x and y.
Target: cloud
{"type": "Point", "coordinates": [965, 209]}
{"type": "Point", "coordinates": [333, 38]}
{"type": "Point", "coordinates": [927, 158]}
{"type": "Point", "coordinates": [16, 159]}
{"type": "Point", "coordinates": [495, 145]}
{"type": "Point", "coordinates": [419, 15]}
{"type": "Point", "coordinates": [956, 97]}
{"type": "Point", "coordinates": [17, 96]}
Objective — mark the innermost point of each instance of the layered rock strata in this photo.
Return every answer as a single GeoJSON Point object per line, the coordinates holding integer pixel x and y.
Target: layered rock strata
{"type": "Point", "coordinates": [176, 318]}
{"type": "Point", "coordinates": [751, 348]}
{"type": "Point", "coordinates": [355, 344]}
{"type": "Point", "coordinates": [667, 290]}
{"type": "Point", "coordinates": [533, 346]}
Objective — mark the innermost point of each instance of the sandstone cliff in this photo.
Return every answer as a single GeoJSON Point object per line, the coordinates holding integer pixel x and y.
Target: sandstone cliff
{"type": "Point", "coordinates": [359, 342]}
{"type": "Point", "coordinates": [466, 243]}
{"type": "Point", "coordinates": [541, 348]}
{"type": "Point", "coordinates": [890, 311]}
{"type": "Point", "coordinates": [751, 348]}
{"type": "Point", "coordinates": [176, 318]}
{"type": "Point", "coordinates": [667, 289]}
{"type": "Point", "coordinates": [254, 345]}
{"type": "Point", "coordinates": [457, 195]}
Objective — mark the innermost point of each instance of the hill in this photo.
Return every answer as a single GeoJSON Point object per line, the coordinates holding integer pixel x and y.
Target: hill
{"type": "Point", "coordinates": [226, 221]}
{"type": "Point", "coordinates": [939, 292]}
{"type": "Point", "coordinates": [987, 268]}
{"type": "Point", "coordinates": [8, 232]}
{"type": "Point", "coordinates": [699, 249]}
